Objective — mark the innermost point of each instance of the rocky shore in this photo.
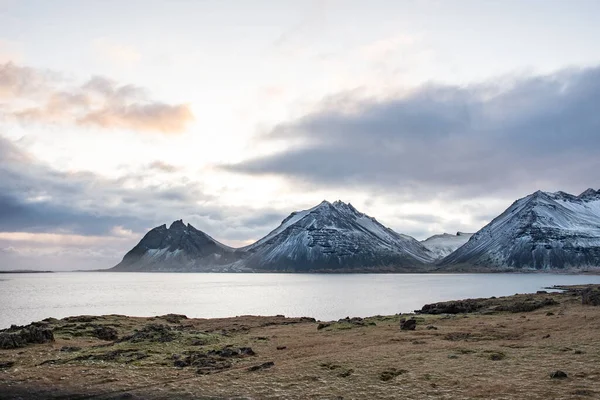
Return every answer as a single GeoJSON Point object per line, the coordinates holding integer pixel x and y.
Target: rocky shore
{"type": "Point", "coordinates": [535, 346]}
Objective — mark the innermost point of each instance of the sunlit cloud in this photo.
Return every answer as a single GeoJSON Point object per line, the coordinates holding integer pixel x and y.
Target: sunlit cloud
{"type": "Point", "coordinates": [64, 239]}
{"type": "Point", "coordinates": [32, 95]}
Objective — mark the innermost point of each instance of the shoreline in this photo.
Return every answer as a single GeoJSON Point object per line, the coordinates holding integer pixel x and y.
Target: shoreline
{"type": "Point", "coordinates": [350, 272]}
{"type": "Point", "coordinates": [455, 349]}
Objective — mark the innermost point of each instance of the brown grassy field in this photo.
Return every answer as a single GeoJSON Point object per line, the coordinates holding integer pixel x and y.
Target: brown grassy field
{"type": "Point", "coordinates": [484, 354]}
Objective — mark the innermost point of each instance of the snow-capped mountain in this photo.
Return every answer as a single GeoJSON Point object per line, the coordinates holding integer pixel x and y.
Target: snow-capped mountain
{"type": "Point", "coordinates": [540, 231]}
{"type": "Point", "coordinates": [177, 248]}
{"type": "Point", "coordinates": [444, 244]}
{"type": "Point", "coordinates": [335, 237]}
{"type": "Point", "coordinates": [327, 237]}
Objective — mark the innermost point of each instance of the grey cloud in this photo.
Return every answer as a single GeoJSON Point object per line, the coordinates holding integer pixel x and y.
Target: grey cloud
{"type": "Point", "coordinates": [423, 219]}
{"type": "Point", "coordinates": [449, 141]}
{"type": "Point", "coordinates": [163, 167]}
{"type": "Point", "coordinates": [35, 198]}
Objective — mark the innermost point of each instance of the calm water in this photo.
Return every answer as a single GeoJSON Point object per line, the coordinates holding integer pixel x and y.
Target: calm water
{"type": "Point", "coordinates": [31, 297]}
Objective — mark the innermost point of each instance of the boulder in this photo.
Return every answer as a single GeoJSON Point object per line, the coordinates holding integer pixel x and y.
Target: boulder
{"type": "Point", "coordinates": [21, 336]}
{"type": "Point", "coordinates": [266, 365]}
{"type": "Point", "coordinates": [105, 333]}
{"type": "Point", "coordinates": [590, 297]}
{"type": "Point", "coordinates": [558, 375]}
{"type": "Point", "coordinates": [6, 364]}
{"type": "Point", "coordinates": [408, 324]}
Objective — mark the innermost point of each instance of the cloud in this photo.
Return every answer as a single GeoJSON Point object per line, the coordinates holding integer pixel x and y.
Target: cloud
{"type": "Point", "coordinates": [49, 213]}
{"type": "Point", "coordinates": [18, 82]}
{"type": "Point", "coordinates": [32, 95]}
{"type": "Point", "coordinates": [163, 167]}
{"type": "Point", "coordinates": [511, 136]}
{"type": "Point", "coordinates": [147, 117]}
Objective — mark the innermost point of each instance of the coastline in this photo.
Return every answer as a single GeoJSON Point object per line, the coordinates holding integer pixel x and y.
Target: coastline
{"type": "Point", "coordinates": [511, 344]}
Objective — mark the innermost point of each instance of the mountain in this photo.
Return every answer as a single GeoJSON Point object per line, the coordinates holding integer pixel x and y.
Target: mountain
{"type": "Point", "coordinates": [444, 244]}
{"type": "Point", "coordinates": [328, 237]}
{"type": "Point", "coordinates": [177, 248]}
{"type": "Point", "coordinates": [539, 232]}
{"type": "Point", "coordinates": [335, 237]}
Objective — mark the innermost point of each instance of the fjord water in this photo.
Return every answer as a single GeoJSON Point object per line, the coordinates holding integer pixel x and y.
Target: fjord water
{"type": "Point", "coordinates": [31, 297]}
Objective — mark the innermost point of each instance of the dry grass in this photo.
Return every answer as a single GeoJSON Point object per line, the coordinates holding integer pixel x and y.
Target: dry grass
{"type": "Point", "coordinates": [473, 356]}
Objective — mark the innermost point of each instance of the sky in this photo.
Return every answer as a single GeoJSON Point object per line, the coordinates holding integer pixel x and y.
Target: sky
{"type": "Point", "coordinates": [431, 116]}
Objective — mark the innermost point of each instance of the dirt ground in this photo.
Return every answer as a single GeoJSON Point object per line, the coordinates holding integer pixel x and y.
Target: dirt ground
{"type": "Point", "coordinates": [483, 354]}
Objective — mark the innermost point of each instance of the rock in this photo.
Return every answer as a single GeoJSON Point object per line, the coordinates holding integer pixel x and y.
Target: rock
{"type": "Point", "coordinates": [20, 336]}
{"type": "Point", "coordinates": [590, 297]}
{"type": "Point", "coordinates": [70, 349]}
{"type": "Point", "coordinates": [204, 363]}
{"type": "Point", "coordinates": [322, 325]}
{"type": "Point", "coordinates": [541, 292]}
{"type": "Point", "coordinates": [558, 375]}
{"type": "Point", "coordinates": [451, 307]}
{"type": "Point", "coordinates": [456, 336]}
{"type": "Point", "coordinates": [121, 355]}
{"type": "Point", "coordinates": [152, 333]}
{"type": "Point", "coordinates": [281, 347]}
{"type": "Point", "coordinates": [173, 318]}
{"type": "Point", "coordinates": [6, 364]}
{"type": "Point", "coordinates": [496, 356]}
{"type": "Point", "coordinates": [408, 324]}
{"type": "Point", "coordinates": [526, 306]}
{"type": "Point", "coordinates": [105, 333]}
{"type": "Point", "coordinates": [180, 363]}
{"type": "Point", "coordinates": [330, 366]}
{"type": "Point", "coordinates": [81, 318]}
{"type": "Point", "coordinates": [431, 327]}
{"type": "Point", "coordinates": [228, 352]}
{"type": "Point", "coordinates": [346, 372]}
{"type": "Point", "coordinates": [391, 373]}
{"type": "Point", "coordinates": [213, 360]}
{"type": "Point", "coordinates": [356, 321]}
{"type": "Point", "coordinates": [259, 367]}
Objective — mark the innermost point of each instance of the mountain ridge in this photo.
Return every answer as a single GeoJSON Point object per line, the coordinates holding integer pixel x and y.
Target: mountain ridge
{"type": "Point", "coordinates": [327, 237]}
{"type": "Point", "coordinates": [541, 231]}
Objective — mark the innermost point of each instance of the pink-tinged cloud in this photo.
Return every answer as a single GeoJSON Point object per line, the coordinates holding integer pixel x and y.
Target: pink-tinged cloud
{"type": "Point", "coordinates": [157, 117]}
{"type": "Point", "coordinates": [29, 95]}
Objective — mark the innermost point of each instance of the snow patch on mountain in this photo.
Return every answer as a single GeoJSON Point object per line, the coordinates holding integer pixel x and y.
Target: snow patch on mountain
{"type": "Point", "coordinates": [445, 243]}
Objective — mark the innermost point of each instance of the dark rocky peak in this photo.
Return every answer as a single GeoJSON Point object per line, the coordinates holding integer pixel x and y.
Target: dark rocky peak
{"type": "Point", "coordinates": [589, 194]}
{"type": "Point", "coordinates": [177, 225]}
{"type": "Point", "coordinates": [324, 207]}
{"type": "Point", "coordinates": [346, 208]}
{"type": "Point", "coordinates": [560, 195]}
{"type": "Point", "coordinates": [539, 195]}
{"type": "Point", "coordinates": [324, 204]}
